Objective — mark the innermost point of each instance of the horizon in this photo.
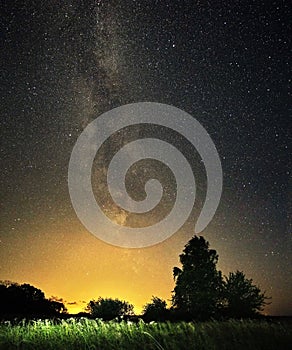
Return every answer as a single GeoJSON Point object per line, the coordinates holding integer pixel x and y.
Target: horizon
{"type": "Point", "coordinates": [76, 306]}
{"type": "Point", "coordinates": [210, 81]}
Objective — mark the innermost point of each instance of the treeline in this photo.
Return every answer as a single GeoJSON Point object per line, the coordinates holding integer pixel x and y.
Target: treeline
{"type": "Point", "coordinates": [201, 292]}
{"type": "Point", "coordinates": [24, 300]}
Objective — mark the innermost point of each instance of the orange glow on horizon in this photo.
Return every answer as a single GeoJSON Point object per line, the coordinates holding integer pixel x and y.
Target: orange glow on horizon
{"type": "Point", "coordinates": [72, 264]}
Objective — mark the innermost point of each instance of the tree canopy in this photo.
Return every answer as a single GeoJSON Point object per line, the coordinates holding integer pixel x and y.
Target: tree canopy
{"type": "Point", "coordinates": [200, 291]}
{"type": "Point", "coordinates": [156, 310]}
{"type": "Point", "coordinates": [198, 283]}
{"type": "Point", "coordinates": [108, 308]}
{"type": "Point", "coordinates": [241, 297]}
{"type": "Point", "coordinates": [26, 300]}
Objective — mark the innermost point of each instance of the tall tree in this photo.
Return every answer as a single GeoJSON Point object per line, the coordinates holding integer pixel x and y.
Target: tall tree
{"type": "Point", "coordinates": [198, 286]}
{"type": "Point", "coordinates": [241, 297]}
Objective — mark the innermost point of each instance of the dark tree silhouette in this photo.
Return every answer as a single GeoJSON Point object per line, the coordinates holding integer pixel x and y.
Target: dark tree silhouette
{"type": "Point", "coordinates": [108, 308]}
{"type": "Point", "coordinates": [156, 310]}
{"type": "Point", "coordinates": [26, 301]}
{"type": "Point", "coordinates": [57, 305]}
{"type": "Point", "coordinates": [241, 297]}
{"type": "Point", "coordinates": [198, 284]}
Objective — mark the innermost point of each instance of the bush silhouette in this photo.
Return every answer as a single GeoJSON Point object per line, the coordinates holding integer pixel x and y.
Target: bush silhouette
{"type": "Point", "coordinates": [241, 297]}
{"type": "Point", "coordinates": [156, 310]}
{"type": "Point", "coordinates": [109, 308]}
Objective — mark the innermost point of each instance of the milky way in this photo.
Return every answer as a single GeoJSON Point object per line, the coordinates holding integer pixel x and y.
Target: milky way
{"type": "Point", "coordinates": [63, 65]}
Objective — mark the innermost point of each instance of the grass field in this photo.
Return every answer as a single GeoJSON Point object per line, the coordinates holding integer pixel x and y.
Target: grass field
{"type": "Point", "coordinates": [91, 334]}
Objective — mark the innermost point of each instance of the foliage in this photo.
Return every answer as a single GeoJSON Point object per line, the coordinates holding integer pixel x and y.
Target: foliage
{"type": "Point", "coordinates": [91, 334]}
{"type": "Point", "coordinates": [200, 293]}
{"type": "Point", "coordinates": [241, 297]}
{"type": "Point", "coordinates": [198, 286]}
{"type": "Point", "coordinates": [156, 310]}
{"type": "Point", "coordinates": [26, 300]}
{"type": "Point", "coordinates": [109, 308]}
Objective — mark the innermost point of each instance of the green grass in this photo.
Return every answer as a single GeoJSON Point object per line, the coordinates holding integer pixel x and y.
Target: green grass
{"type": "Point", "coordinates": [91, 334]}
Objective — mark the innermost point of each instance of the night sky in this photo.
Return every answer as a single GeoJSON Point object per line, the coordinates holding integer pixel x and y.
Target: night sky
{"type": "Point", "coordinates": [65, 63]}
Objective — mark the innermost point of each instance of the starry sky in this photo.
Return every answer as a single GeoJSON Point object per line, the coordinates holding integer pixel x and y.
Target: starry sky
{"type": "Point", "coordinates": [65, 63]}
